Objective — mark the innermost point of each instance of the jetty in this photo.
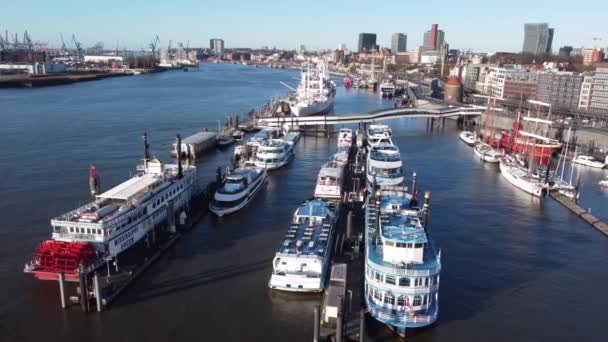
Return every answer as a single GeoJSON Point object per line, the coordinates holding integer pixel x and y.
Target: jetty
{"type": "Point", "coordinates": [195, 144]}
{"type": "Point", "coordinates": [585, 215]}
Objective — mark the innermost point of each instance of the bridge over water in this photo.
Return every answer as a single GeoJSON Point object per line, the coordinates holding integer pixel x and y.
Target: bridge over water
{"type": "Point", "coordinates": [379, 115]}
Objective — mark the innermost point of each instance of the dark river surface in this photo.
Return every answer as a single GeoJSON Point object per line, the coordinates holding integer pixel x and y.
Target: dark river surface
{"type": "Point", "coordinates": [514, 268]}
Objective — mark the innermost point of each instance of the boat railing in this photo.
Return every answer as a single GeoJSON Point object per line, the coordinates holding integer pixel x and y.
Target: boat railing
{"type": "Point", "coordinates": [401, 316]}
{"type": "Point", "coordinates": [413, 290]}
{"type": "Point", "coordinates": [402, 271]}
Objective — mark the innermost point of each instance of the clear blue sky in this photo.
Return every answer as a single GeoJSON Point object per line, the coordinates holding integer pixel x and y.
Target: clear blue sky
{"type": "Point", "coordinates": [476, 24]}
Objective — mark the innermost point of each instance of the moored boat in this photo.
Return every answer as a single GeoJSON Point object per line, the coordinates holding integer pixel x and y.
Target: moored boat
{"type": "Point", "coordinates": [522, 178]}
{"type": "Point", "coordinates": [588, 161]}
{"type": "Point", "coordinates": [487, 153]}
{"type": "Point", "coordinates": [273, 154]}
{"type": "Point", "coordinates": [468, 137]}
{"type": "Point", "coordinates": [225, 140]}
{"type": "Point", "coordinates": [238, 188]}
{"type": "Point", "coordinates": [384, 166]}
{"type": "Point", "coordinates": [303, 256]}
{"type": "Point", "coordinates": [115, 220]}
{"type": "Point", "coordinates": [329, 181]}
{"type": "Point", "coordinates": [402, 264]}
{"type": "Point", "coordinates": [345, 137]}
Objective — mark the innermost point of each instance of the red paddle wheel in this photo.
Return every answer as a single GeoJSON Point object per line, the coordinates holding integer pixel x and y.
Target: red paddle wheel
{"type": "Point", "coordinates": [54, 257]}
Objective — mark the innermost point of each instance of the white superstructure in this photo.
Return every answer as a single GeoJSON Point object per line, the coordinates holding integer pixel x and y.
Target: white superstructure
{"type": "Point", "coordinates": [384, 166]}
{"type": "Point", "coordinates": [238, 188]}
{"type": "Point", "coordinates": [329, 181]}
{"type": "Point", "coordinates": [315, 94]}
{"type": "Point", "coordinates": [588, 161]}
{"type": "Point", "coordinates": [273, 154]}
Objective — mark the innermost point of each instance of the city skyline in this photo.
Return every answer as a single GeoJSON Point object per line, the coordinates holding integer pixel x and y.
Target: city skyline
{"type": "Point", "coordinates": [276, 23]}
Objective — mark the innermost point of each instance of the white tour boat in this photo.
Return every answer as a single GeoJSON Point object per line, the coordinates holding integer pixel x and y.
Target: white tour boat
{"type": "Point", "coordinates": [303, 257]}
{"type": "Point", "coordinates": [384, 166]}
{"type": "Point", "coordinates": [345, 137]}
{"type": "Point", "coordinates": [273, 154]}
{"type": "Point", "coordinates": [238, 188]}
{"type": "Point", "coordinates": [329, 181]}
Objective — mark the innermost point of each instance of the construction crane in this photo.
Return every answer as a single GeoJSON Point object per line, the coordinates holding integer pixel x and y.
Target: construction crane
{"type": "Point", "coordinates": [27, 42]}
{"type": "Point", "coordinates": [78, 47]}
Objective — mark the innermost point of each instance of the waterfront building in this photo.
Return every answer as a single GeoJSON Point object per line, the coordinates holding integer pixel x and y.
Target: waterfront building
{"type": "Point", "coordinates": [560, 88]}
{"type": "Point", "coordinates": [398, 43]}
{"type": "Point", "coordinates": [216, 45]}
{"type": "Point", "coordinates": [538, 38]}
{"type": "Point", "coordinates": [434, 39]}
{"type": "Point", "coordinates": [511, 82]}
{"type": "Point", "coordinates": [594, 91]}
{"type": "Point", "coordinates": [565, 51]}
{"type": "Point", "coordinates": [367, 42]}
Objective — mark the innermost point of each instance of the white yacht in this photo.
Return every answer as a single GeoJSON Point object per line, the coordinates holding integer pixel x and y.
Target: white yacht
{"type": "Point", "coordinates": [315, 94]}
{"type": "Point", "coordinates": [603, 183]}
{"type": "Point", "coordinates": [384, 166]}
{"type": "Point", "coordinates": [468, 137]}
{"type": "Point", "coordinates": [303, 257]}
{"type": "Point", "coordinates": [263, 135]}
{"type": "Point", "coordinates": [329, 181]}
{"type": "Point", "coordinates": [238, 188]}
{"type": "Point", "coordinates": [487, 153]}
{"type": "Point", "coordinates": [345, 137]}
{"type": "Point", "coordinates": [588, 161]}
{"type": "Point", "coordinates": [341, 156]}
{"type": "Point", "coordinates": [273, 154]}
{"type": "Point", "coordinates": [379, 134]}
{"type": "Point", "coordinates": [387, 88]}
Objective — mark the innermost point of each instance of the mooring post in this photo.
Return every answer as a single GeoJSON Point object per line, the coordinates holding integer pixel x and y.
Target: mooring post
{"type": "Point", "coordinates": [317, 322]}
{"type": "Point", "coordinates": [97, 291]}
{"type": "Point", "coordinates": [362, 326]}
{"type": "Point", "coordinates": [340, 318]}
{"type": "Point", "coordinates": [61, 280]}
{"type": "Point", "coordinates": [349, 225]}
{"type": "Point", "coordinates": [414, 181]}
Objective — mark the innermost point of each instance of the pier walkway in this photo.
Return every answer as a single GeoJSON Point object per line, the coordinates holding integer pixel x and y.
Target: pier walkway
{"type": "Point", "coordinates": [433, 112]}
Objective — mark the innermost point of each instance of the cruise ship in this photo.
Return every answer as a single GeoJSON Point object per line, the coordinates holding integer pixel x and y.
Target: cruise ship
{"type": "Point", "coordinates": [329, 181]}
{"type": "Point", "coordinates": [303, 257]}
{"type": "Point", "coordinates": [273, 154]}
{"type": "Point", "coordinates": [402, 265]}
{"type": "Point", "coordinates": [115, 220]}
{"type": "Point", "coordinates": [315, 94]}
{"type": "Point", "coordinates": [238, 188]}
{"type": "Point", "coordinates": [384, 166]}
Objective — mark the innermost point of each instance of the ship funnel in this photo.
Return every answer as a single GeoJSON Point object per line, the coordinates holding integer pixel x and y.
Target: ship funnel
{"type": "Point", "coordinates": [178, 147]}
{"type": "Point", "coordinates": [93, 181]}
{"type": "Point", "coordinates": [146, 150]}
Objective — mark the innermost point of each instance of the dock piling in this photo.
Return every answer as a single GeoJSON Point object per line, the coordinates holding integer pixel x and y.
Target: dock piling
{"type": "Point", "coordinates": [317, 322]}
{"type": "Point", "coordinates": [349, 225]}
{"type": "Point", "coordinates": [339, 320]}
{"type": "Point", "coordinates": [83, 290]}
{"type": "Point", "coordinates": [362, 325]}
{"type": "Point", "coordinates": [97, 291]}
{"type": "Point", "coordinates": [61, 280]}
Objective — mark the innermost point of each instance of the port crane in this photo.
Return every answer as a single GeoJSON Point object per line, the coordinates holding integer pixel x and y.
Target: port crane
{"type": "Point", "coordinates": [153, 44]}
{"type": "Point", "coordinates": [78, 47]}
{"type": "Point", "coordinates": [64, 48]}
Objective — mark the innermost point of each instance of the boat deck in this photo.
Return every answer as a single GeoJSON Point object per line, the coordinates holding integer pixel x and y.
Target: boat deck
{"type": "Point", "coordinates": [304, 237]}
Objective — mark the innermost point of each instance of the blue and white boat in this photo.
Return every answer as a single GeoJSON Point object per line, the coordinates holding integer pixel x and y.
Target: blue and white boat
{"type": "Point", "coordinates": [238, 188]}
{"type": "Point", "coordinates": [384, 166]}
{"type": "Point", "coordinates": [273, 154]}
{"type": "Point", "coordinates": [402, 265]}
{"type": "Point", "coordinates": [303, 257]}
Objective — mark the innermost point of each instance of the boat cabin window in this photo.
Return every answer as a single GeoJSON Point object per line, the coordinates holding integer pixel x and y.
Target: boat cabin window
{"type": "Point", "coordinates": [389, 243]}
{"type": "Point", "coordinates": [389, 299]}
{"type": "Point", "coordinates": [401, 301]}
{"type": "Point", "coordinates": [71, 229]}
{"type": "Point", "coordinates": [404, 281]}
{"type": "Point", "coordinates": [377, 295]}
{"type": "Point", "coordinates": [234, 180]}
{"type": "Point", "coordinates": [378, 276]}
{"type": "Point", "coordinates": [417, 300]}
{"type": "Point", "coordinates": [390, 280]}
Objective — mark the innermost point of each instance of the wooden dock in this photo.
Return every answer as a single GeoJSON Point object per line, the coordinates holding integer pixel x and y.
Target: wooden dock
{"type": "Point", "coordinates": [580, 212]}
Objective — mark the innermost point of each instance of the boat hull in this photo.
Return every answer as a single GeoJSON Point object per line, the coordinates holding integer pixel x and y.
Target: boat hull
{"type": "Point", "coordinates": [252, 192]}
{"type": "Point", "coordinates": [531, 188]}
{"type": "Point", "coordinates": [317, 108]}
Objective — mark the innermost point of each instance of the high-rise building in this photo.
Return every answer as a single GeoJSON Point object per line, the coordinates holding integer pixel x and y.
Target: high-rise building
{"type": "Point", "coordinates": [565, 51]}
{"type": "Point", "coordinates": [216, 45]}
{"type": "Point", "coordinates": [434, 39]}
{"type": "Point", "coordinates": [398, 43]}
{"type": "Point", "coordinates": [367, 42]}
{"type": "Point", "coordinates": [538, 38]}
{"type": "Point", "coordinates": [342, 47]}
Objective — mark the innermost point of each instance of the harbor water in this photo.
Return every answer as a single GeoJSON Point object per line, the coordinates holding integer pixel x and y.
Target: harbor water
{"type": "Point", "coordinates": [514, 268]}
